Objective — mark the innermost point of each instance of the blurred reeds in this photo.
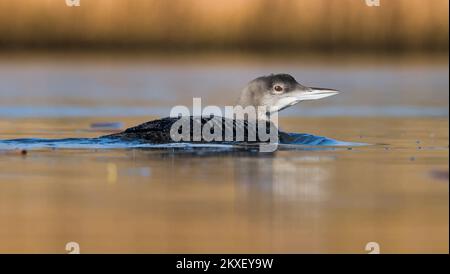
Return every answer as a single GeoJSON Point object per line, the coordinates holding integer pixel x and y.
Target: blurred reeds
{"type": "Point", "coordinates": [292, 25]}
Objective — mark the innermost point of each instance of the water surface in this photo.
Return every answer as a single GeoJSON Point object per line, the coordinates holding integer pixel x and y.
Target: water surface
{"type": "Point", "coordinates": [189, 199]}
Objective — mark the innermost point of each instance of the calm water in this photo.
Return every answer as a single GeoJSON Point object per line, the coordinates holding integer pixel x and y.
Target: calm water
{"type": "Point", "coordinates": [298, 199]}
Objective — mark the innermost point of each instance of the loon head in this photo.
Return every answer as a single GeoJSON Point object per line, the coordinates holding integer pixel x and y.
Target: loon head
{"type": "Point", "coordinates": [276, 92]}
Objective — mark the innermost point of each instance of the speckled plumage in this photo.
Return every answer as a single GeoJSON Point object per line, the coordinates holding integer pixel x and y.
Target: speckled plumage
{"type": "Point", "coordinates": [158, 131]}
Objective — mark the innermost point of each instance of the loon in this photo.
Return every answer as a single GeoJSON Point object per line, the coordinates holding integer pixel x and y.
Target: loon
{"type": "Point", "coordinates": [274, 92]}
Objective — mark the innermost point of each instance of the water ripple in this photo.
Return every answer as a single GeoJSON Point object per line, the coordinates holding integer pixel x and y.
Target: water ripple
{"type": "Point", "coordinates": [288, 140]}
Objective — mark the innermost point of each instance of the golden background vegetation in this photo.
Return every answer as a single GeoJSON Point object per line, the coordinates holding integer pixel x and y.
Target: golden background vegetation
{"type": "Point", "coordinates": [298, 25]}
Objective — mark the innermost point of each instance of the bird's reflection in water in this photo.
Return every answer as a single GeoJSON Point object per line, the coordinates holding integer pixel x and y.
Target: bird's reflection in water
{"type": "Point", "coordinates": [302, 178]}
{"type": "Point", "coordinates": [279, 175]}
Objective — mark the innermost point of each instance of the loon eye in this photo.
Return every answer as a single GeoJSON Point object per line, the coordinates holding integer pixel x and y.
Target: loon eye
{"type": "Point", "coordinates": [278, 88]}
